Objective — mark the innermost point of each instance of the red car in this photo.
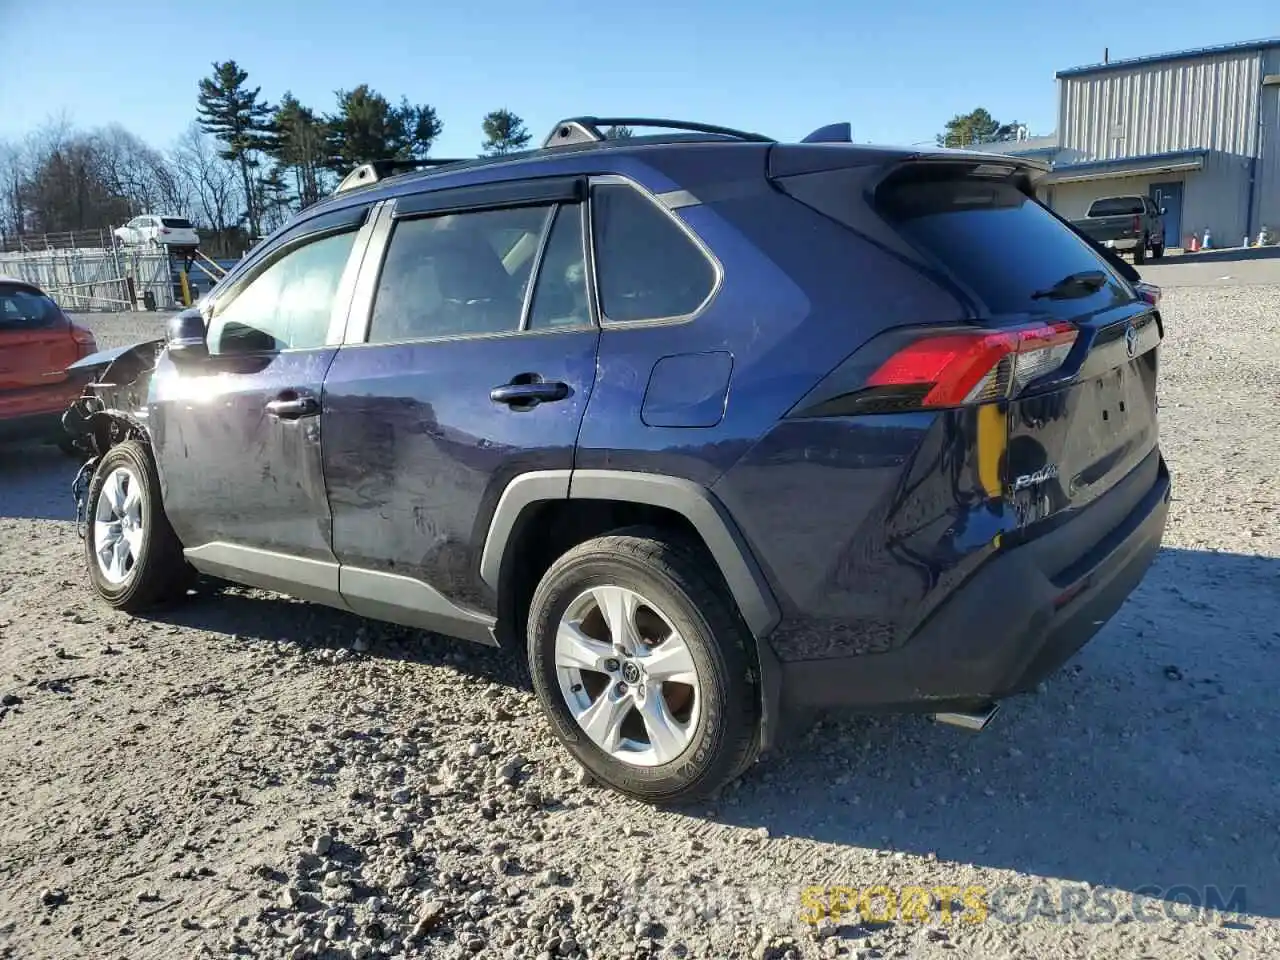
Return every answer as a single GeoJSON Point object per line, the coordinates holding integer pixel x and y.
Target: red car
{"type": "Point", "coordinates": [37, 344]}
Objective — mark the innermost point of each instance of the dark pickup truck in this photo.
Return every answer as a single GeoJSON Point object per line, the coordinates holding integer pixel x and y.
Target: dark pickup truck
{"type": "Point", "coordinates": [1126, 224]}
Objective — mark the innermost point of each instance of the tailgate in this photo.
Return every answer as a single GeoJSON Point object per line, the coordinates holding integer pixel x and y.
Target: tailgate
{"type": "Point", "coordinates": [1080, 415]}
{"type": "Point", "coordinates": [1077, 437]}
{"type": "Point", "coordinates": [1111, 228]}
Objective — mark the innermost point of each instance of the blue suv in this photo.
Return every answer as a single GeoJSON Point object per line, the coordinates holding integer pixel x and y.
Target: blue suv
{"type": "Point", "coordinates": [703, 426]}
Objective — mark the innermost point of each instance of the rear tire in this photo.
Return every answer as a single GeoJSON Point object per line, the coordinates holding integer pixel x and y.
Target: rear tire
{"type": "Point", "coordinates": [665, 744]}
{"type": "Point", "coordinates": [1140, 252]}
{"type": "Point", "coordinates": [134, 558]}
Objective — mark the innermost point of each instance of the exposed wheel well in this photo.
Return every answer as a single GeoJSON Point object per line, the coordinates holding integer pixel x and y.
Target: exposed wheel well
{"type": "Point", "coordinates": [547, 530]}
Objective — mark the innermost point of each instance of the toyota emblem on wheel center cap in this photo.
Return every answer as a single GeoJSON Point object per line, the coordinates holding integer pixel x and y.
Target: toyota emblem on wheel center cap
{"type": "Point", "coordinates": [630, 672]}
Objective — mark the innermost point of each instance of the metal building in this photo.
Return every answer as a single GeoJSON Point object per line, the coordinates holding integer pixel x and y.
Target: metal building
{"type": "Point", "coordinates": [1197, 130]}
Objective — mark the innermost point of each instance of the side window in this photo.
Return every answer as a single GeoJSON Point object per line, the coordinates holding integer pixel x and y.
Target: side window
{"type": "Point", "coordinates": [648, 268]}
{"type": "Point", "coordinates": [560, 294]}
{"type": "Point", "coordinates": [458, 274]}
{"type": "Point", "coordinates": [288, 304]}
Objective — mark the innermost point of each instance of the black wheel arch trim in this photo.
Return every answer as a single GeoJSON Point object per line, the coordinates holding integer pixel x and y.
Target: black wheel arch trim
{"type": "Point", "coordinates": [694, 502]}
{"type": "Point", "coordinates": [698, 505]}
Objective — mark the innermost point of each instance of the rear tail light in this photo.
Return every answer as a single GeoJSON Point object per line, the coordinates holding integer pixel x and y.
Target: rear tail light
{"type": "Point", "coordinates": [164, 229]}
{"type": "Point", "coordinates": [85, 342]}
{"type": "Point", "coordinates": [954, 369]}
{"type": "Point", "coordinates": [1137, 223]}
{"type": "Point", "coordinates": [1148, 292]}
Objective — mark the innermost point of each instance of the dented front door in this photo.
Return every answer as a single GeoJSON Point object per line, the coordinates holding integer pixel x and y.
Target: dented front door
{"type": "Point", "coordinates": [238, 443]}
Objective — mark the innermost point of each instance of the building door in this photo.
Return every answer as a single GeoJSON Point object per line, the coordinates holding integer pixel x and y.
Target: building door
{"type": "Point", "coordinates": [1168, 196]}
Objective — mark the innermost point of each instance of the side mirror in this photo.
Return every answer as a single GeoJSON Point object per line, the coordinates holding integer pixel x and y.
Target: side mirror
{"type": "Point", "coordinates": [184, 336]}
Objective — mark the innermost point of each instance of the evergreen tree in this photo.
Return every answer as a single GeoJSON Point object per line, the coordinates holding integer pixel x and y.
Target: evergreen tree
{"type": "Point", "coordinates": [298, 145]}
{"type": "Point", "coordinates": [239, 118]}
{"type": "Point", "coordinates": [368, 127]}
{"type": "Point", "coordinates": [504, 133]}
{"type": "Point", "coordinates": [977, 126]}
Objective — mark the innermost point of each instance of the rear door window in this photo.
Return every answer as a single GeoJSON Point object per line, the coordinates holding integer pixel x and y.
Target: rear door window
{"type": "Point", "coordinates": [560, 293]}
{"type": "Point", "coordinates": [647, 266]}
{"type": "Point", "coordinates": [1002, 245]}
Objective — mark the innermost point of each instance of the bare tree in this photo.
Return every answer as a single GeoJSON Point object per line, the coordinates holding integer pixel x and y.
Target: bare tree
{"type": "Point", "coordinates": [210, 183]}
{"type": "Point", "coordinates": [137, 172]}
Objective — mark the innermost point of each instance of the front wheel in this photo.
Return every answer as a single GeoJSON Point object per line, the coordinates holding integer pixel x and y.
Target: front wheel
{"type": "Point", "coordinates": [644, 667]}
{"type": "Point", "coordinates": [135, 559]}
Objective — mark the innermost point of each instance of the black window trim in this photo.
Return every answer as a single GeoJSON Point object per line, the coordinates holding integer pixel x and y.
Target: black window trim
{"type": "Point", "coordinates": [311, 231]}
{"type": "Point", "coordinates": [555, 193]}
{"type": "Point", "coordinates": [499, 195]}
{"type": "Point", "coordinates": [614, 179]}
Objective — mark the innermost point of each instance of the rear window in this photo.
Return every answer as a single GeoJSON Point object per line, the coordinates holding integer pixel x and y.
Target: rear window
{"type": "Point", "coordinates": [999, 243]}
{"type": "Point", "coordinates": [24, 309]}
{"type": "Point", "coordinates": [180, 223]}
{"type": "Point", "coordinates": [1115, 206]}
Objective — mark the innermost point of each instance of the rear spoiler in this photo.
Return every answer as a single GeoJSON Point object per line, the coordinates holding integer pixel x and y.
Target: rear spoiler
{"type": "Point", "coordinates": [793, 167]}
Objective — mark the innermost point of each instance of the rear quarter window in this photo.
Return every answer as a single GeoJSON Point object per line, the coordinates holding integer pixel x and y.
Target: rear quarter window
{"type": "Point", "coordinates": [647, 266]}
{"type": "Point", "coordinates": [999, 243]}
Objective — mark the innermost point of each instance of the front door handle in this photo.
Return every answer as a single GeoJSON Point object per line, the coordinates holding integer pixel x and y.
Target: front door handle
{"type": "Point", "coordinates": [291, 408]}
{"type": "Point", "coordinates": [524, 395]}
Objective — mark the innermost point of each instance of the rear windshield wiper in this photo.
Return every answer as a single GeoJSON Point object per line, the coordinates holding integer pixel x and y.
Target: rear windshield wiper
{"type": "Point", "coordinates": [1079, 284]}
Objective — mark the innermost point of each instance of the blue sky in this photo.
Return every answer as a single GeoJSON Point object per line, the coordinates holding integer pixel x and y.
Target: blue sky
{"type": "Point", "coordinates": [897, 70]}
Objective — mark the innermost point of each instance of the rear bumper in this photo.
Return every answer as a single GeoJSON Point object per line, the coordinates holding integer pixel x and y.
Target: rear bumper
{"type": "Point", "coordinates": [1009, 626]}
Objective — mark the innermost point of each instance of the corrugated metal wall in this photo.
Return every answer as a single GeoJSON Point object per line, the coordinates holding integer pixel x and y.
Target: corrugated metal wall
{"type": "Point", "coordinates": [1267, 188]}
{"type": "Point", "coordinates": [1209, 103]}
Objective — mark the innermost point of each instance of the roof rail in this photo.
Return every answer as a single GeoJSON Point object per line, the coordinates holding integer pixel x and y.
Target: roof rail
{"type": "Point", "coordinates": [590, 129]}
{"type": "Point", "coordinates": [831, 133]}
{"type": "Point", "coordinates": [376, 170]}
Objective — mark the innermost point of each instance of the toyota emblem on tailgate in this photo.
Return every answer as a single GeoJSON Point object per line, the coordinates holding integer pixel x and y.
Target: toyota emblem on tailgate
{"type": "Point", "coordinates": [1131, 341]}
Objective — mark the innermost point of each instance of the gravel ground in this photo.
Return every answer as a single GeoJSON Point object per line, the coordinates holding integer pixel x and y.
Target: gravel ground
{"type": "Point", "coordinates": [250, 775]}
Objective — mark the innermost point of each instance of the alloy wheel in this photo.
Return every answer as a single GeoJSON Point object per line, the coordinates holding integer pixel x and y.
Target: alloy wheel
{"type": "Point", "coordinates": [627, 676]}
{"type": "Point", "coordinates": [118, 532]}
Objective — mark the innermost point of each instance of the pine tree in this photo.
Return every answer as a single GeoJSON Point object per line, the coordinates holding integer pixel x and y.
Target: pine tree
{"type": "Point", "coordinates": [504, 133]}
{"type": "Point", "coordinates": [367, 127]}
{"type": "Point", "coordinates": [298, 145]}
{"type": "Point", "coordinates": [237, 116]}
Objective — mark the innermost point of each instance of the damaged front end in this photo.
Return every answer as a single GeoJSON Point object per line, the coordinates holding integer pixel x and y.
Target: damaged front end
{"type": "Point", "coordinates": [112, 408]}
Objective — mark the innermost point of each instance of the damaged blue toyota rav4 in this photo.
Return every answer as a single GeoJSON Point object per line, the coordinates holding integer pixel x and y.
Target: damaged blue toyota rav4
{"type": "Point", "coordinates": [702, 425]}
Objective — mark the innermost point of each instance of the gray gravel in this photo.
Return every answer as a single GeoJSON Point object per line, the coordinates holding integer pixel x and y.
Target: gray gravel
{"type": "Point", "coordinates": [250, 775]}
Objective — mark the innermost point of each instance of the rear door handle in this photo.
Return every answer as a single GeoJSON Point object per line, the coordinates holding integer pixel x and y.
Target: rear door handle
{"type": "Point", "coordinates": [529, 394]}
{"type": "Point", "coordinates": [292, 408]}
